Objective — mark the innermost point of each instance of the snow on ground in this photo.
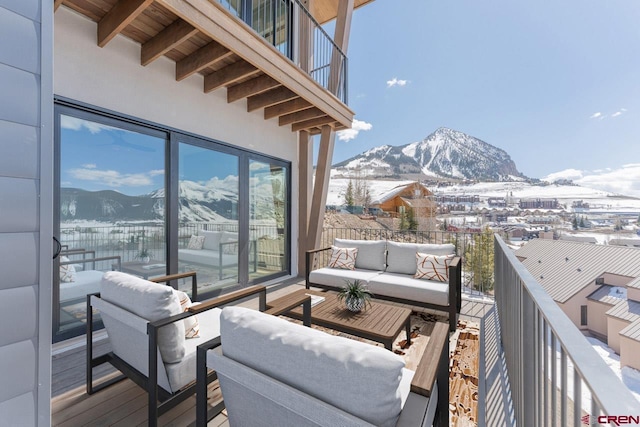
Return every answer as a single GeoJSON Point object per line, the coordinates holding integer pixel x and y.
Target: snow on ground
{"type": "Point", "coordinates": [618, 292]}
{"type": "Point", "coordinates": [629, 376]}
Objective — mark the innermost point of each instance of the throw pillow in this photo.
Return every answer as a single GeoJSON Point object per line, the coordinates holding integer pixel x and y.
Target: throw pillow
{"type": "Point", "coordinates": [191, 325]}
{"type": "Point", "coordinates": [229, 243]}
{"type": "Point", "coordinates": [433, 267]}
{"type": "Point", "coordinates": [67, 271]}
{"type": "Point", "coordinates": [344, 258]}
{"type": "Point", "coordinates": [196, 242]}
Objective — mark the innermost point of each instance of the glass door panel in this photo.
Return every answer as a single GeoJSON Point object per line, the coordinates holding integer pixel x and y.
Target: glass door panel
{"type": "Point", "coordinates": [111, 210]}
{"type": "Point", "coordinates": [208, 217]}
{"type": "Point", "coordinates": [268, 222]}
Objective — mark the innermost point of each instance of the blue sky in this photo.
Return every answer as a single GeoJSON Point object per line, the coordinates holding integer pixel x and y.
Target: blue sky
{"type": "Point", "coordinates": [554, 83]}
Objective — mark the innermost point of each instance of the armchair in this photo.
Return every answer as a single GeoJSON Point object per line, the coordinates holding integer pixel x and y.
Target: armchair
{"type": "Point", "coordinates": [274, 372]}
{"type": "Point", "coordinates": [145, 324]}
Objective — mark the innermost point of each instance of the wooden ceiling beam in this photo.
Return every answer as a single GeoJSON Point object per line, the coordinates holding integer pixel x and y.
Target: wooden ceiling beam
{"type": "Point", "coordinates": [300, 116]}
{"type": "Point", "coordinates": [201, 59]}
{"type": "Point", "coordinates": [314, 131]}
{"type": "Point", "coordinates": [287, 107]}
{"type": "Point", "coordinates": [117, 19]}
{"type": "Point", "coordinates": [57, 4]}
{"type": "Point", "coordinates": [227, 75]}
{"type": "Point", "coordinates": [251, 87]}
{"type": "Point", "coordinates": [270, 97]}
{"type": "Point", "coordinates": [308, 124]}
{"type": "Point", "coordinates": [173, 35]}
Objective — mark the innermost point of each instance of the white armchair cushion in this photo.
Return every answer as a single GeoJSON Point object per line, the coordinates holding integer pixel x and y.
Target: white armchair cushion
{"type": "Point", "coordinates": [151, 301]}
{"type": "Point", "coordinates": [358, 378]}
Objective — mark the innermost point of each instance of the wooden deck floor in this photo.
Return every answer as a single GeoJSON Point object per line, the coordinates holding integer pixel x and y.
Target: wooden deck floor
{"type": "Point", "coordinates": [125, 404]}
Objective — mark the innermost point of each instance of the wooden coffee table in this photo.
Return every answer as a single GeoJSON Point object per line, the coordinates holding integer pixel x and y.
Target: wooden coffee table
{"type": "Point", "coordinates": [379, 322]}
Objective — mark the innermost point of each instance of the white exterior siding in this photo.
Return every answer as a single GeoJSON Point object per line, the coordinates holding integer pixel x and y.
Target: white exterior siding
{"type": "Point", "coordinates": [26, 37]}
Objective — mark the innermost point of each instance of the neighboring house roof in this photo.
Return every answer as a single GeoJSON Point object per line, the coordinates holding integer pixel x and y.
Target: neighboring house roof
{"type": "Point", "coordinates": [419, 203]}
{"type": "Point", "coordinates": [574, 238]}
{"type": "Point", "coordinates": [603, 294]}
{"type": "Point", "coordinates": [632, 331]}
{"type": "Point", "coordinates": [625, 310]}
{"type": "Point", "coordinates": [564, 268]}
{"type": "Point", "coordinates": [635, 283]}
{"type": "Point", "coordinates": [394, 192]}
{"type": "Point", "coordinates": [625, 242]}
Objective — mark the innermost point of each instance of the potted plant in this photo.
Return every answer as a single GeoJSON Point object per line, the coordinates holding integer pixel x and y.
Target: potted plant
{"type": "Point", "coordinates": [144, 255]}
{"type": "Point", "coordinates": [355, 295]}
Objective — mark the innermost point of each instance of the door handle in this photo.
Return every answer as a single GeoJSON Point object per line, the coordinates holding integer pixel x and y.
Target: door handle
{"type": "Point", "coordinates": [58, 247]}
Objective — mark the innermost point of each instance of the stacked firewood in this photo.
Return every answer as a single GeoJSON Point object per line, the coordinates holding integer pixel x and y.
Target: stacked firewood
{"type": "Point", "coordinates": [463, 376]}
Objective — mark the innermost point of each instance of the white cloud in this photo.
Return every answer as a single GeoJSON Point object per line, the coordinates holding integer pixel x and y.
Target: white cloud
{"type": "Point", "coordinates": [619, 112]}
{"type": "Point", "coordinates": [624, 180]}
{"type": "Point", "coordinates": [113, 178]}
{"type": "Point", "coordinates": [74, 123]}
{"type": "Point", "coordinates": [396, 82]}
{"type": "Point", "coordinates": [356, 127]}
{"type": "Point", "coordinates": [90, 166]}
{"type": "Point", "coordinates": [596, 115]}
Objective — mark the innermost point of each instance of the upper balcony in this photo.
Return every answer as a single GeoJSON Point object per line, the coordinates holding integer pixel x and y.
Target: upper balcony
{"type": "Point", "coordinates": [274, 53]}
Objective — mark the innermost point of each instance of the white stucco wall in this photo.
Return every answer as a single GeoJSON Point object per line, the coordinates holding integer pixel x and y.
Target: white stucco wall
{"type": "Point", "coordinates": [614, 326]}
{"type": "Point", "coordinates": [112, 78]}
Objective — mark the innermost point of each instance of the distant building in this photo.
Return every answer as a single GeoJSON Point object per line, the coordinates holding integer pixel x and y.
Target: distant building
{"type": "Point", "coordinates": [625, 242]}
{"type": "Point", "coordinates": [578, 238]}
{"type": "Point", "coordinates": [497, 202]}
{"type": "Point", "coordinates": [414, 196]}
{"type": "Point", "coordinates": [597, 287]}
{"type": "Point", "coordinates": [539, 204]}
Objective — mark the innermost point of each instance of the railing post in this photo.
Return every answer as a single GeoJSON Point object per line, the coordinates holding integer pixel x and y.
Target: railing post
{"type": "Point", "coordinates": [528, 356]}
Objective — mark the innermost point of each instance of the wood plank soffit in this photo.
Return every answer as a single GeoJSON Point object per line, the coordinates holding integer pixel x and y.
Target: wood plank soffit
{"type": "Point", "coordinates": [201, 59]}
{"type": "Point", "coordinates": [173, 35]}
{"type": "Point", "coordinates": [227, 75]}
{"type": "Point", "coordinates": [270, 97]}
{"type": "Point", "coordinates": [251, 87]}
{"type": "Point", "coordinates": [307, 124]}
{"type": "Point", "coordinates": [286, 107]}
{"type": "Point", "coordinates": [214, 21]}
{"type": "Point", "coordinates": [117, 19]}
{"type": "Point", "coordinates": [310, 113]}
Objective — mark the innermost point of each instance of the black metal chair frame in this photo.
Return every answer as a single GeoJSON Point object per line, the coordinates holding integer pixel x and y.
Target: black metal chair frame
{"type": "Point", "coordinates": [160, 401]}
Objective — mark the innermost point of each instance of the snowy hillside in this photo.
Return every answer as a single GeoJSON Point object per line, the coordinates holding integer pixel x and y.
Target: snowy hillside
{"type": "Point", "coordinates": [445, 153]}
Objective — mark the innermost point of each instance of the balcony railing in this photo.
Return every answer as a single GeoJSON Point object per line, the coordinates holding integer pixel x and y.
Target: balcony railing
{"type": "Point", "coordinates": [291, 29]}
{"type": "Point", "coordinates": [556, 377]}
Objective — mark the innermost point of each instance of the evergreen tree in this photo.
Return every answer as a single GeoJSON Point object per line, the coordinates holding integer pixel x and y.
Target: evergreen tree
{"type": "Point", "coordinates": [478, 261]}
{"type": "Point", "coordinates": [412, 222]}
{"type": "Point", "coordinates": [575, 222]}
{"type": "Point", "coordinates": [582, 222]}
{"type": "Point", "coordinates": [348, 197]}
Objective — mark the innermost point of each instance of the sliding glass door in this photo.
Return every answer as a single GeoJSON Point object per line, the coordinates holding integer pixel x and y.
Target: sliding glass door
{"type": "Point", "coordinates": [150, 201]}
{"type": "Point", "coordinates": [268, 217]}
{"type": "Point", "coordinates": [111, 209]}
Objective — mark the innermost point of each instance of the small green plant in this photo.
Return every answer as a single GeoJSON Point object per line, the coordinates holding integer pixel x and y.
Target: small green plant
{"type": "Point", "coordinates": [355, 295]}
{"type": "Point", "coordinates": [144, 253]}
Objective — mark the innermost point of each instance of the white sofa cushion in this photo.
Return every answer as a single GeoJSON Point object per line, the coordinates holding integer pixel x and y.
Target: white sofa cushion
{"type": "Point", "coordinates": [371, 253]}
{"type": "Point", "coordinates": [151, 301]}
{"type": "Point", "coordinates": [338, 278]}
{"type": "Point", "coordinates": [358, 378]}
{"type": "Point", "coordinates": [406, 287]}
{"type": "Point", "coordinates": [211, 239]}
{"type": "Point", "coordinates": [401, 257]}
{"type": "Point", "coordinates": [206, 257]}
{"type": "Point", "coordinates": [86, 282]}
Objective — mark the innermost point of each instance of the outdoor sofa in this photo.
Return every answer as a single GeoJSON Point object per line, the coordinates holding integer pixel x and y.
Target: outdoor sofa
{"type": "Point", "coordinates": [388, 269]}
{"type": "Point", "coordinates": [213, 249]}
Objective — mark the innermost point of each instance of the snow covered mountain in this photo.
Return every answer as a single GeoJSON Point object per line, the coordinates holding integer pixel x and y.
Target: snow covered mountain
{"type": "Point", "coordinates": [446, 153]}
